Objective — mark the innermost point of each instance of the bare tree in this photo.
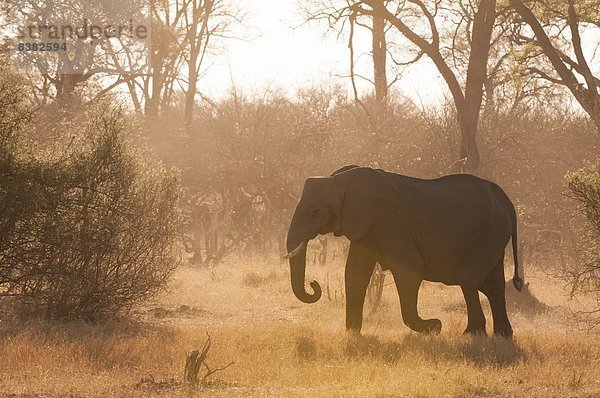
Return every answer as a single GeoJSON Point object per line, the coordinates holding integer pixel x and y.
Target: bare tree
{"type": "Point", "coordinates": [197, 37]}
{"type": "Point", "coordinates": [409, 17]}
{"type": "Point", "coordinates": [65, 77]}
{"type": "Point", "coordinates": [165, 54]}
{"type": "Point", "coordinates": [339, 19]}
{"type": "Point", "coordinates": [184, 33]}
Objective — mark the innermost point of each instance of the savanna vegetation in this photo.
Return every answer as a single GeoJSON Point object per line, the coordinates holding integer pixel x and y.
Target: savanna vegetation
{"type": "Point", "coordinates": [141, 220]}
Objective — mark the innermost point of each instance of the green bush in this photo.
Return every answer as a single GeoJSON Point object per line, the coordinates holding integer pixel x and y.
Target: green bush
{"type": "Point", "coordinates": [87, 227]}
{"type": "Point", "coordinates": [584, 186]}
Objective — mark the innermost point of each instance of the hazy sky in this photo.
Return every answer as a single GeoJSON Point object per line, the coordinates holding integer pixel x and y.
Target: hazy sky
{"type": "Point", "coordinates": [283, 57]}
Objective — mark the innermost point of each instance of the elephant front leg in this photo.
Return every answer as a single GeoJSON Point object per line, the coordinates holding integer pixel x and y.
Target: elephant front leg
{"type": "Point", "coordinates": [359, 268]}
{"type": "Point", "coordinates": [408, 284]}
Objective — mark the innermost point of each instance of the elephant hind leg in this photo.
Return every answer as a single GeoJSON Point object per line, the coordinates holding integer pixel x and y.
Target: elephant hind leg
{"type": "Point", "coordinates": [476, 319]}
{"type": "Point", "coordinates": [475, 268]}
{"type": "Point", "coordinates": [494, 289]}
{"type": "Point", "coordinates": [469, 283]}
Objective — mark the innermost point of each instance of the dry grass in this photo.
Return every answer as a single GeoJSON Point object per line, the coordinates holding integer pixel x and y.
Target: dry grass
{"type": "Point", "coordinates": [282, 347]}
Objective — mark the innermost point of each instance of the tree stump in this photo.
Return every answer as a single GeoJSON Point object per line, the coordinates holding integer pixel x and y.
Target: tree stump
{"type": "Point", "coordinates": [193, 362]}
{"type": "Point", "coordinates": [375, 289]}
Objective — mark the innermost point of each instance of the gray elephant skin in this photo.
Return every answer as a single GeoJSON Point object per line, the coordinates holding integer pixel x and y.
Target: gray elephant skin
{"type": "Point", "coordinates": [453, 230]}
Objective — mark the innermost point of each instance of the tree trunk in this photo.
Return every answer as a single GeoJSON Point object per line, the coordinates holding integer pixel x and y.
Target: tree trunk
{"type": "Point", "coordinates": [190, 94]}
{"type": "Point", "coordinates": [379, 59]}
{"type": "Point", "coordinates": [468, 117]}
{"type": "Point", "coordinates": [379, 49]}
{"type": "Point", "coordinates": [198, 42]}
{"type": "Point", "coordinates": [66, 89]}
{"type": "Point", "coordinates": [153, 97]}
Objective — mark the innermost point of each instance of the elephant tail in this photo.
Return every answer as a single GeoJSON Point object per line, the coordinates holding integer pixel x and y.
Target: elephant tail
{"type": "Point", "coordinates": [505, 200]}
{"type": "Point", "coordinates": [517, 280]}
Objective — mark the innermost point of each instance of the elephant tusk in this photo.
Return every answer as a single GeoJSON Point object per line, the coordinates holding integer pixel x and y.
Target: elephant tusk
{"type": "Point", "coordinates": [295, 251]}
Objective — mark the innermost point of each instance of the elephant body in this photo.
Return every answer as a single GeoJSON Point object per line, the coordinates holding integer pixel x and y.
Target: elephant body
{"type": "Point", "coordinates": [452, 230]}
{"type": "Point", "coordinates": [435, 240]}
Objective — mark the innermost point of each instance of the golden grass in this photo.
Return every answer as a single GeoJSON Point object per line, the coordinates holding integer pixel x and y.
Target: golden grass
{"type": "Point", "coordinates": [283, 348]}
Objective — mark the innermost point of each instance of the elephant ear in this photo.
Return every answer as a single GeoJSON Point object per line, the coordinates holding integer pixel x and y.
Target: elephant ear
{"type": "Point", "coordinates": [364, 201]}
{"type": "Point", "coordinates": [326, 193]}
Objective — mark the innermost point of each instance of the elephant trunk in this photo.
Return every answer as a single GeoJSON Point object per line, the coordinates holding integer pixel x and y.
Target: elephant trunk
{"type": "Point", "coordinates": [297, 256]}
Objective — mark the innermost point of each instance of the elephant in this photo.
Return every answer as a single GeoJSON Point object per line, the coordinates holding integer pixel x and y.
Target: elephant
{"type": "Point", "coordinates": [452, 230]}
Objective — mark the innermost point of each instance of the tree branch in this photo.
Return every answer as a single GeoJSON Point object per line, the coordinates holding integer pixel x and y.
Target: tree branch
{"type": "Point", "coordinates": [584, 68]}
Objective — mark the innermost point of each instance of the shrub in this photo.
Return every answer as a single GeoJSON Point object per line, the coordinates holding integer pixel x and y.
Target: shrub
{"type": "Point", "coordinates": [86, 230]}
{"type": "Point", "coordinates": [584, 186]}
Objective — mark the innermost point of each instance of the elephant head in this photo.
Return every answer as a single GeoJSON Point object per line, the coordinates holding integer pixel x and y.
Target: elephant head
{"type": "Point", "coordinates": [330, 204]}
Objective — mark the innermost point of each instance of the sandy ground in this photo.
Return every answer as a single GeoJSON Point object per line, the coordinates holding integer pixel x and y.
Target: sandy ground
{"type": "Point", "coordinates": [281, 347]}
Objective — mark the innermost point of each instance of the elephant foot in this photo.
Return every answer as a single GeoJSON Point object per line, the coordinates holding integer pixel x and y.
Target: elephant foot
{"type": "Point", "coordinates": [432, 326]}
{"type": "Point", "coordinates": [505, 332]}
{"type": "Point", "coordinates": [427, 326]}
{"type": "Point", "coordinates": [353, 327]}
{"type": "Point", "coordinates": [475, 331]}
{"type": "Point", "coordinates": [353, 332]}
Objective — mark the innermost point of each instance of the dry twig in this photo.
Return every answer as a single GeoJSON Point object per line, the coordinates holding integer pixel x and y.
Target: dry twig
{"type": "Point", "coordinates": [195, 360]}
